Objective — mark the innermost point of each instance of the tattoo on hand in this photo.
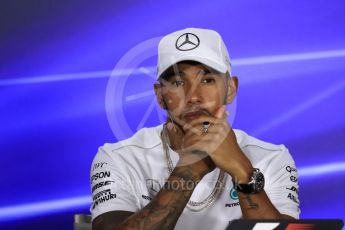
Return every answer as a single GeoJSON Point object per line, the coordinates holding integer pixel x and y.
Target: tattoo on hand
{"type": "Point", "coordinates": [251, 203]}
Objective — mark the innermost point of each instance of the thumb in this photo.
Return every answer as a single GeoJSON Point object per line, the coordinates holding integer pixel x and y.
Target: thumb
{"type": "Point", "coordinates": [220, 112]}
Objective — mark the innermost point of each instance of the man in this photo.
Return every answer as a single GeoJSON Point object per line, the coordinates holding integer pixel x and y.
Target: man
{"type": "Point", "coordinates": [194, 171]}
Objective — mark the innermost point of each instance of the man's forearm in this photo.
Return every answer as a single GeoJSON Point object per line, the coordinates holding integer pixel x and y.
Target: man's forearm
{"type": "Point", "coordinates": [253, 206]}
{"type": "Point", "coordinates": [258, 206]}
{"type": "Point", "coordinates": [165, 209]}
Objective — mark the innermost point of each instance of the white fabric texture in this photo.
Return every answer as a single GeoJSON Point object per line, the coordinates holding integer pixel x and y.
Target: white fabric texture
{"type": "Point", "coordinates": [127, 174]}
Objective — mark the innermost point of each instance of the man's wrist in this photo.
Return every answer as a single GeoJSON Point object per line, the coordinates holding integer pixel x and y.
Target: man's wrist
{"type": "Point", "coordinates": [240, 169]}
{"type": "Point", "coordinates": [243, 173]}
{"type": "Point", "coordinates": [256, 184]}
{"type": "Point", "coordinates": [243, 177]}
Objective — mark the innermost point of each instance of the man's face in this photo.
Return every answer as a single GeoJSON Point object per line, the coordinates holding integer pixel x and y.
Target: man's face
{"type": "Point", "coordinates": [188, 90]}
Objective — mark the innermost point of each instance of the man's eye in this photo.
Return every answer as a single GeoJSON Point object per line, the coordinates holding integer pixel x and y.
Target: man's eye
{"type": "Point", "coordinates": [208, 80]}
{"type": "Point", "coordinates": [178, 83]}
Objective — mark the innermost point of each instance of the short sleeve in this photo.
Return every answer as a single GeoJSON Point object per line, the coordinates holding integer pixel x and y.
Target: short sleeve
{"type": "Point", "coordinates": [110, 185]}
{"type": "Point", "coordinates": [282, 184]}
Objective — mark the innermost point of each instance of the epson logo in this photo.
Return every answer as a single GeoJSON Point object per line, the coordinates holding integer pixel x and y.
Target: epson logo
{"type": "Point", "coordinates": [100, 175]}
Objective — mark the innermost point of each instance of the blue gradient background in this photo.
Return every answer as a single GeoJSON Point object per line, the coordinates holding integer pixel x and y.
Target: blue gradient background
{"type": "Point", "coordinates": [52, 124]}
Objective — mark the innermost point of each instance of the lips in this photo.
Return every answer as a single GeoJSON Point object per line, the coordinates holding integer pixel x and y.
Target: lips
{"type": "Point", "coordinates": [189, 116]}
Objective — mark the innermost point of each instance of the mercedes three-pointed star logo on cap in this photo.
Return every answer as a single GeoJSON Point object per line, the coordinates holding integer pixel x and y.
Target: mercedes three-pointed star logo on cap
{"type": "Point", "coordinates": [187, 41]}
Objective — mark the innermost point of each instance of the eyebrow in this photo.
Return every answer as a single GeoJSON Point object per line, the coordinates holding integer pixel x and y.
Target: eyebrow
{"type": "Point", "coordinates": [169, 73]}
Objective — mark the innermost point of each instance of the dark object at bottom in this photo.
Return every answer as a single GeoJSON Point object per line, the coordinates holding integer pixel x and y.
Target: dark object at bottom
{"type": "Point", "coordinates": [308, 224]}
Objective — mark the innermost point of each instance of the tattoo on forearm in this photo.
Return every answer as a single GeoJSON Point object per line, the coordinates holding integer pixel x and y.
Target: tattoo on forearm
{"type": "Point", "coordinates": [181, 181]}
{"type": "Point", "coordinates": [165, 209]}
{"type": "Point", "coordinates": [251, 203]}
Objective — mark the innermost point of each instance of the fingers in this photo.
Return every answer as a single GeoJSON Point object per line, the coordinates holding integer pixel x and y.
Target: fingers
{"type": "Point", "coordinates": [204, 143]}
{"type": "Point", "coordinates": [215, 132]}
{"type": "Point", "coordinates": [200, 120]}
{"type": "Point", "coordinates": [196, 142]}
{"type": "Point", "coordinates": [196, 126]}
{"type": "Point", "coordinates": [220, 115]}
{"type": "Point", "coordinates": [220, 112]}
{"type": "Point", "coordinates": [196, 129]}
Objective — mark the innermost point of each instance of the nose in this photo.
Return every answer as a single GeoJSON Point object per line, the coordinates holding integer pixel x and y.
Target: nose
{"type": "Point", "coordinates": [193, 94]}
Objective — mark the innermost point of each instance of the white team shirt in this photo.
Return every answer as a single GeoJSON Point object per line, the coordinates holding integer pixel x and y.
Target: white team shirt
{"type": "Point", "coordinates": [126, 175]}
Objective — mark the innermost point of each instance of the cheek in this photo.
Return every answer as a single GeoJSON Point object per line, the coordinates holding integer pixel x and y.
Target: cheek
{"type": "Point", "coordinates": [221, 93]}
{"type": "Point", "coordinates": [174, 102]}
{"type": "Point", "coordinates": [213, 99]}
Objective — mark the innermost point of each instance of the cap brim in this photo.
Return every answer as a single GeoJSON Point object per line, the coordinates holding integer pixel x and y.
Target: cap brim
{"type": "Point", "coordinates": [205, 61]}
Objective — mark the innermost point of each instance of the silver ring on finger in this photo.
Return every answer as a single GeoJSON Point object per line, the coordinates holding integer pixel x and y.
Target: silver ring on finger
{"type": "Point", "coordinates": [205, 126]}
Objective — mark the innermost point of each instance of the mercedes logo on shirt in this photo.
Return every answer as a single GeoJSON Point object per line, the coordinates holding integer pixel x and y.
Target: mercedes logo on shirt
{"type": "Point", "coordinates": [153, 186]}
{"type": "Point", "coordinates": [187, 41]}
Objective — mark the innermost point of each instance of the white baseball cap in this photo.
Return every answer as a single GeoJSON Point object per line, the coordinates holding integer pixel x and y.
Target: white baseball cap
{"type": "Point", "coordinates": [193, 44]}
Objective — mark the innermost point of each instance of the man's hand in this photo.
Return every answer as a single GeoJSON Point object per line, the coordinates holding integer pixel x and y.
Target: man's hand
{"type": "Point", "coordinates": [219, 143]}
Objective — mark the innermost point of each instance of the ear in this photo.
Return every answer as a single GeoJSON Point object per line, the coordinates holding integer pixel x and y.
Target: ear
{"type": "Point", "coordinates": [232, 89]}
{"type": "Point", "coordinates": [159, 97]}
